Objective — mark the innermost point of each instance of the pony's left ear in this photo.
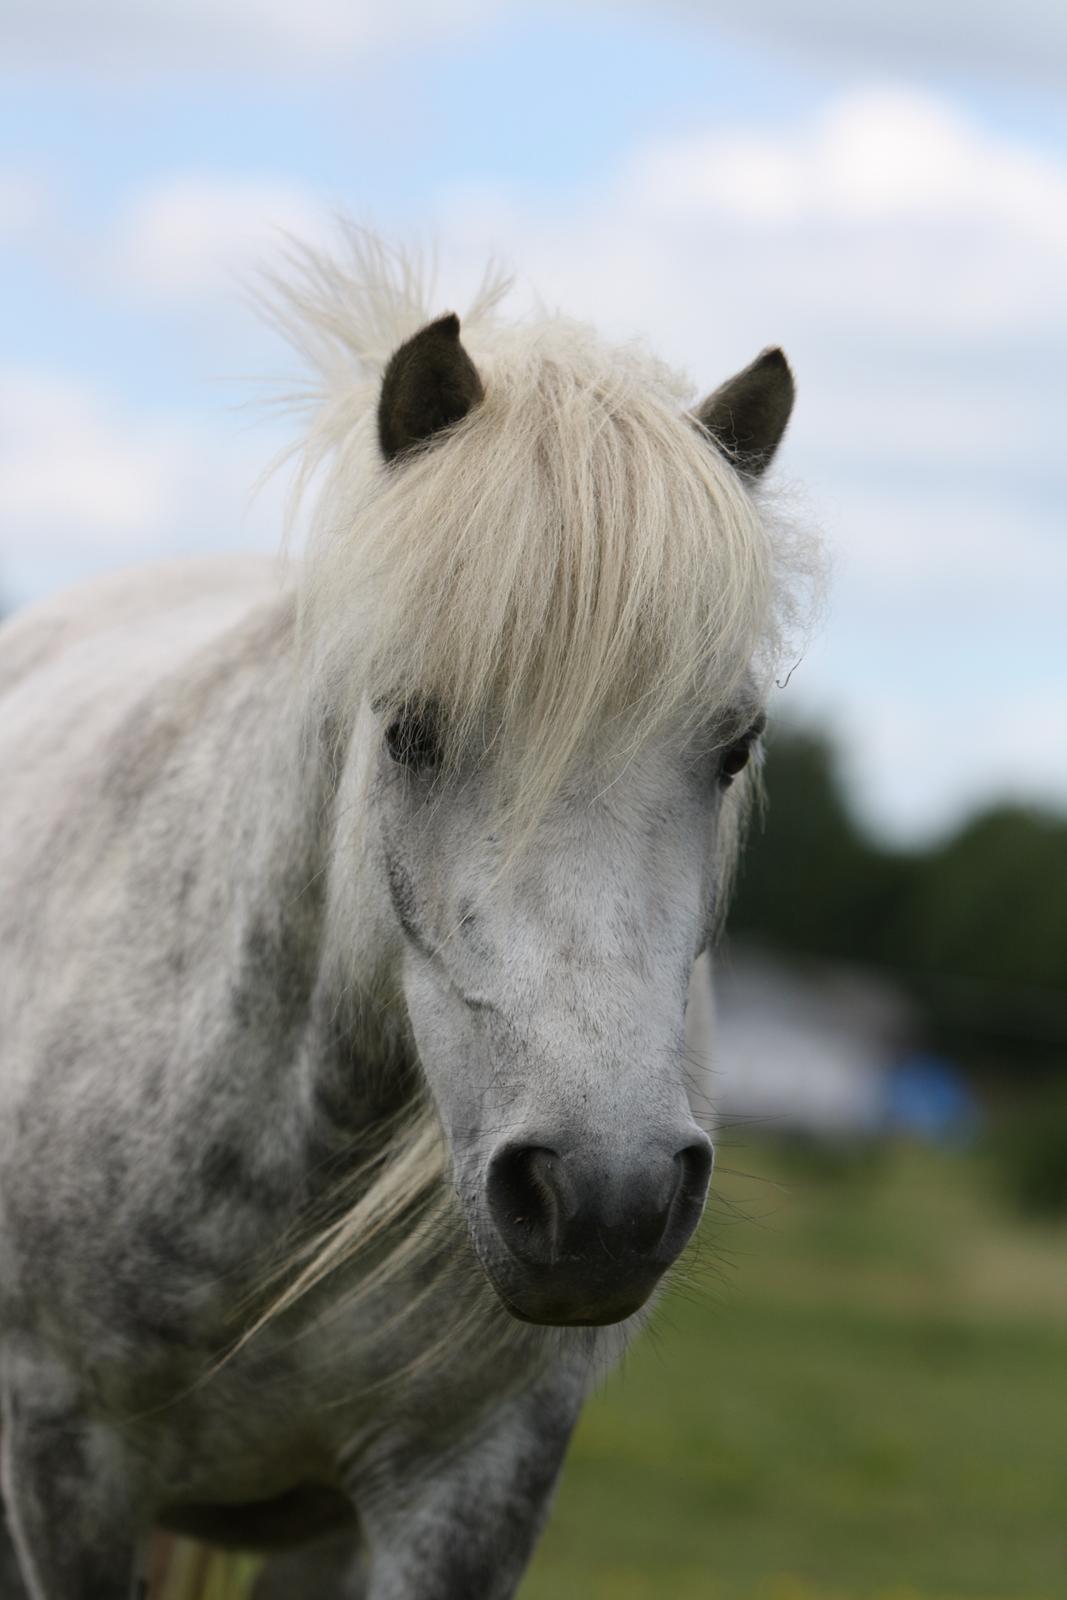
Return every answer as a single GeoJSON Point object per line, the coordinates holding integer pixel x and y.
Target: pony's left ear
{"type": "Point", "coordinates": [430, 384]}
{"type": "Point", "coordinates": [747, 415]}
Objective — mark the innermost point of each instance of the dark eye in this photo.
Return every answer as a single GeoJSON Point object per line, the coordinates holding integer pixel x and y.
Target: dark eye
{"type": "Point", "coordinates": [412, 737]}
{"type": "Point", "coordinates": [734, 758]}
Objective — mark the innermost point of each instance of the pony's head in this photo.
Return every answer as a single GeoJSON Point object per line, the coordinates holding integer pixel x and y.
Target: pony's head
{"type": "Point", "coordinates": [547, 600]}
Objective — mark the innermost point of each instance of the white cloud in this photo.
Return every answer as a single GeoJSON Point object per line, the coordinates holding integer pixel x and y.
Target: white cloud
{"type": "Point", "coordinates": [1023, 40]}
{"type": "Point", "coordinates": [913, 766]}
{"type": "Point", "coordinates": [939, 664]}
{"type": "Point", "coordinates": [86, 483]}
{"type": "Point", "coordinates": [919, 548]}
{"type": "Point", "coordinates": [69, 471]}
{"type": "Point", "coordinates": [134, 35]}
{"type": "Point", "coordinates": [888, 209]}
{"type": "Point", "coordinates": [873, 156]}
{"type": "Point", "coordinates": [25, 205]}
{"type": "Point", "coordinates": [195, 235]}
{"type": "Point", "coordinates": [895, 300]}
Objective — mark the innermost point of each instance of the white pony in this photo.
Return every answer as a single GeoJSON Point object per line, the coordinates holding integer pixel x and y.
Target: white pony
{"type": "Point", "coordinates": [346, 922]}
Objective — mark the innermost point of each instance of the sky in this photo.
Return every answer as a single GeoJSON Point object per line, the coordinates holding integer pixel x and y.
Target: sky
{"type": "Point", "coordinates": [880, 189]}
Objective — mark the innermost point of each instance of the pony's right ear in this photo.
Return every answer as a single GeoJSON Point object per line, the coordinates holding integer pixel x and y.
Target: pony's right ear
{"type": "Point", "coordinates": [430, 384]}
{"type": "Point", "coordinates": [747, 415]}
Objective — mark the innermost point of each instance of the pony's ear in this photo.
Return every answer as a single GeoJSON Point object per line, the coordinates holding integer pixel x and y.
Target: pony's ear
{"type": "Point", "coordinates": [747, 415]}
{"type": "Point", "coordinates": [430, 383]}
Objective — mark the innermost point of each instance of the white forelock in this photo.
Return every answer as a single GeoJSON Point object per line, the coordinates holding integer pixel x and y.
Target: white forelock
{"type": "Point", "coordinates": [576, 565]}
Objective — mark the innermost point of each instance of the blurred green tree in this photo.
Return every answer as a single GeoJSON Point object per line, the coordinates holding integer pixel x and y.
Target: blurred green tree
{"type": "Point", "coordinates": [992, 901]}
{"type": "Point", "coordinates": [812, 881]}
{"type": "Point", "coordinates": [974, 925]}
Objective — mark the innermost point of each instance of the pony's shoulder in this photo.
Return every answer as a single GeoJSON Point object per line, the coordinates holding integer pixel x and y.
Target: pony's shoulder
{"type": "Point", "coordinates": [37, 634]}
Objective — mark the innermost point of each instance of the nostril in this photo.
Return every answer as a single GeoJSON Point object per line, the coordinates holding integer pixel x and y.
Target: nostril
{"type": "Point", "coordinates": [693, 1173]}
{"type": "Point", "coordinates": [526, 1201]}
{"type": "Point", "coordinates": [694, 1164]}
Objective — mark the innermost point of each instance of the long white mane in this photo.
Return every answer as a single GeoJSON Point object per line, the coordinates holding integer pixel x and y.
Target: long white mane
{"type": "Point", "coordinates": [575, 566]}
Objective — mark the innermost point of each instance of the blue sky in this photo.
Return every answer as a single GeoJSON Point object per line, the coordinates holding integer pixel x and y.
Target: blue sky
{"type": "Point", "coordinates": [883, 191]}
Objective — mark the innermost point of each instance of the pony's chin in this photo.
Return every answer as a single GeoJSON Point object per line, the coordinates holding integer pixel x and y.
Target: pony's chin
{"type": "Point", "coordinates": [546, 1307]}
{"type": "Point", "coordinates": [597, 1317]}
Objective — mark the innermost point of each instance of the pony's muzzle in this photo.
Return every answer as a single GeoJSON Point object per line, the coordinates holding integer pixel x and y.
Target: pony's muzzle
{"type": "Point", "coordinates": [587, 1239]}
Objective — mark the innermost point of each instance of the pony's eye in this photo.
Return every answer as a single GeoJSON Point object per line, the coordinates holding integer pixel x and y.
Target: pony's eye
{"type": "Point", "coordinates": [734, 758]}
{"type": "Point", "coordinates": [412, 738]}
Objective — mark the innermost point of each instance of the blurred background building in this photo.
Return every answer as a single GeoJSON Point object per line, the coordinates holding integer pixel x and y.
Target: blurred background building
{"type": "Point", "coordinates": [863, 1381]}
{"type": "Point", "coordinates": [806, 1051]}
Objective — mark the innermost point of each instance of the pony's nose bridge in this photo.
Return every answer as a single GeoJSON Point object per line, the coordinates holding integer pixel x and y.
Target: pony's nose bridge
{"type": "Point", "coordinates": [552, 1206]}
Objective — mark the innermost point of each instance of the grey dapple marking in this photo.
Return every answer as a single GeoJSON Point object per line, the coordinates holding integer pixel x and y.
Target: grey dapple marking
{"type": "Point", "coordinates": [248, 915]}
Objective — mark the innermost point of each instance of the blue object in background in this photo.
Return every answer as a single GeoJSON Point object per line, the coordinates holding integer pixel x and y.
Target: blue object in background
{"type": "Point", "coordinates": [928, 1098]}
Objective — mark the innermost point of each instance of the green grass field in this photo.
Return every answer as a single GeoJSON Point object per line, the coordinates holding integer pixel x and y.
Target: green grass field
{"type": "Point", "coordinates": [869, 1399]}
